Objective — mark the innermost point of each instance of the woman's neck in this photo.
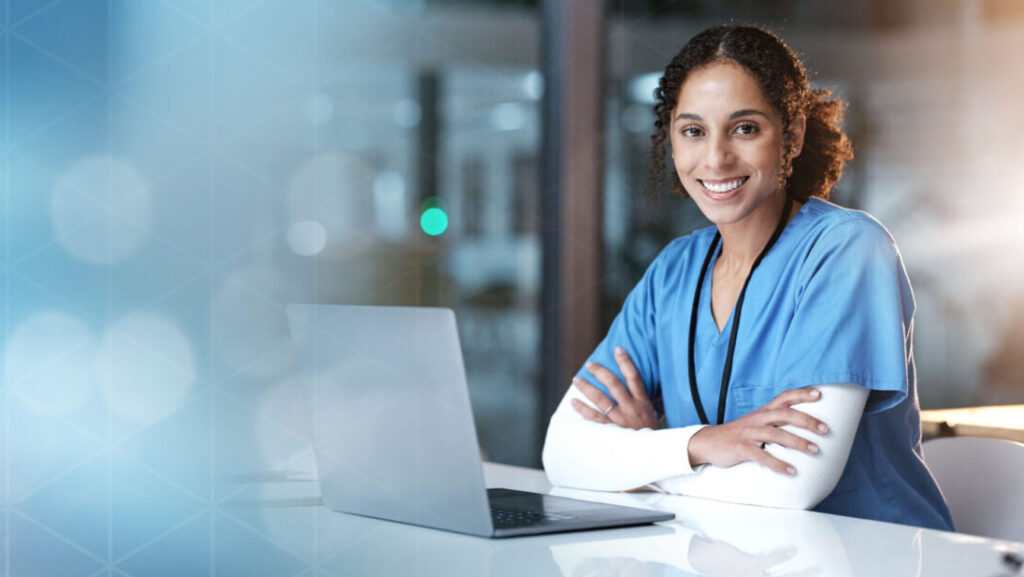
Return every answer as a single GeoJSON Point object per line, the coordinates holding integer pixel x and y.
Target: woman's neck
{"type": "Point", "coordinates": [743, 241]}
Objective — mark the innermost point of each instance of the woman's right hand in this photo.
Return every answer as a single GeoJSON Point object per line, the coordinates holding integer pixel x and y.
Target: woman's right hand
{"type": "Point", "coordinates": [744, 439]}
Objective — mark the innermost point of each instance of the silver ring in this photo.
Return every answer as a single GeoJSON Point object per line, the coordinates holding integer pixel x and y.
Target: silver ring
{"type": "Point", "coordinates": [608, 410]}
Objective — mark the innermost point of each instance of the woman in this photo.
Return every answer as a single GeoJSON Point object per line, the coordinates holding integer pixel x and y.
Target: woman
{"type": "Point", "coordinates": [778, 341]}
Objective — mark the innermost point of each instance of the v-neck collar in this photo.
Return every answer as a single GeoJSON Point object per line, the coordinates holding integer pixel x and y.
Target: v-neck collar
{"type": "Point", "coordinates": [707, 289]}
{"type": "Point", "coordinates": [721, 336]}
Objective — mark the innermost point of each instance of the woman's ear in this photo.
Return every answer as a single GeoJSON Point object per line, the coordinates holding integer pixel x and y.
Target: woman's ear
{"type": "Point", "coordinates": [797, 129]}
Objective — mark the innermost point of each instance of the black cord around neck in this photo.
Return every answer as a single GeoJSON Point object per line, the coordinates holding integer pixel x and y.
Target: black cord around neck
{"type": "Point", "coordinates": [727, 371]}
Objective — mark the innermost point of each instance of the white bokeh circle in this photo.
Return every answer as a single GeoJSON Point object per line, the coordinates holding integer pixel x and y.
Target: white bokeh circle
{"type": "Point", "coordinates": [508, 116]}
{"type": "Point", "coordinates": [145, 367]}
{"type": "Point", "coordinates": [533, 85]}
{"type": "Point", "coordinates": [307, 238]}
{"type": "Point", "coordinates": [49, 359]}
{"type": "Point", "coordinates": [100, 209]}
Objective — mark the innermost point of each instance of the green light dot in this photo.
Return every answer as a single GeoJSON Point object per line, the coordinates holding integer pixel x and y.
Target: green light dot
{"type": "Point", "coordinates": [434, 221]}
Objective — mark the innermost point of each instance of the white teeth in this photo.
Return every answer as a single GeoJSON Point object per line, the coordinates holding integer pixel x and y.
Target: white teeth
{"type": "Point", "coordinates": [725, 186]}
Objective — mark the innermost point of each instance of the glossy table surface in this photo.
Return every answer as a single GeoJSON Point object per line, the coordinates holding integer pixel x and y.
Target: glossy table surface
{"type": "Point", "coordinates": [706, 538]}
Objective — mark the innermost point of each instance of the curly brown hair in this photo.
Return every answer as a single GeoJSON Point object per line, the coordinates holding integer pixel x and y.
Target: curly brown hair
{"type": "Point", "coordinates": [783, 81]}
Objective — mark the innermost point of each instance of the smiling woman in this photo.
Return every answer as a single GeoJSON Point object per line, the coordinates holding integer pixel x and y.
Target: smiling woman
{"type": "Point", "coordinates": [814, 388]}
{"type": "Point", "coordinates": [730, 155]}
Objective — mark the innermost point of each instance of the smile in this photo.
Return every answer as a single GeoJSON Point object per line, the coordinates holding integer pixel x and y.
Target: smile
{"type": "Point", "coordinates": [724, 186]}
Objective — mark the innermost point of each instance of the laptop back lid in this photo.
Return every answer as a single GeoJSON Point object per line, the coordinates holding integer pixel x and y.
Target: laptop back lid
{"type": "Point", "coordinates": [391, 422]}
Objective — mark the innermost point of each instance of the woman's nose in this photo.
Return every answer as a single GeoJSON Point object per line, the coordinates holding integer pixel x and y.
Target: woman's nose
{"type": "Point", "coordinates": [719, 153]}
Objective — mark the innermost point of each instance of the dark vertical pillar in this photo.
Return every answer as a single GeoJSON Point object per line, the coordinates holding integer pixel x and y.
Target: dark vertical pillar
{"type": "Point", "coordinates": [428, 135]}
{"type": "Point", "coordinates": [571, 173]}
{"type": "Point", "coordinates": [431, 287]}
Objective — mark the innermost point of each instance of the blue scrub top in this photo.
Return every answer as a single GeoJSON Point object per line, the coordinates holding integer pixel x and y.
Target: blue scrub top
{"type": "Point", "coordinates": [830, 303]}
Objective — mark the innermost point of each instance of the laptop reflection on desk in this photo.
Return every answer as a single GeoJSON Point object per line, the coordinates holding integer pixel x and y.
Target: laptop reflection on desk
{"type": "Point", "coordinates": [393, 433]}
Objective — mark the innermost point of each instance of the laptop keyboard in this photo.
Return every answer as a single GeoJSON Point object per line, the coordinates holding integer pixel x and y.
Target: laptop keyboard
{"type": "Point", "coordinates": [509, 518]}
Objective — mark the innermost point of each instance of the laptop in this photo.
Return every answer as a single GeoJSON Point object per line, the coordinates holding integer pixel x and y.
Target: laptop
{"type": "Point", "coordinates": [393, 432]}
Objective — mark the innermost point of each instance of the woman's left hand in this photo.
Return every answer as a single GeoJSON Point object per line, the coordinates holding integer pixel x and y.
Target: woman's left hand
{"type": "Point", "coordinates": [631, 408]}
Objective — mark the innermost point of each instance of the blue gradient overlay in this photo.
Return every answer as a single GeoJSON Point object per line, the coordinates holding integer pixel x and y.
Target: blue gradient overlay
{"type": "Point", "coordinates": [171, 171]}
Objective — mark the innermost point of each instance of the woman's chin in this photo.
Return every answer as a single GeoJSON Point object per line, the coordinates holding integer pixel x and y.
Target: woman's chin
{"type": "Point", "coordinates": [721, 213]}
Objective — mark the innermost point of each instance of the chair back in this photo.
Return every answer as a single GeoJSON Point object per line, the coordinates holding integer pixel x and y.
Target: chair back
{"type": "Point", "coordinates": [983, 482]}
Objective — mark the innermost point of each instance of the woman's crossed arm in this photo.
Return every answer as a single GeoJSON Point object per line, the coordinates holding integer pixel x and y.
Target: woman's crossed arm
{"type": "Point", "coordinates": [775, 456]}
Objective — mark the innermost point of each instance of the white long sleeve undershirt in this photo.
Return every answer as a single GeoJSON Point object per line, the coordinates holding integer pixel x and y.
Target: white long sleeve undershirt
{"type": "Point", "coordinates": [605, 457]}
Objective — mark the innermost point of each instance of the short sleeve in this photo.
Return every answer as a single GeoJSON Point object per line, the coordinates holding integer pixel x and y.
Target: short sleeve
{"type": "Point", "coordinates": [853, 316]}
{"type": "Point", "coordinates": [634, 330]}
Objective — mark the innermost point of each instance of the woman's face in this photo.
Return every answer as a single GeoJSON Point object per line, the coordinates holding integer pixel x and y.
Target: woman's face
{"type": "Point", "coordinates": [727, 143]}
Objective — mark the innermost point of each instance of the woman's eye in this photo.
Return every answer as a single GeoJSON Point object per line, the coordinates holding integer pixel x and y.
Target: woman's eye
{"type": "Point", "coordinates": [691, 132]}
{"type": "Point", "coordinates": [746, 129]}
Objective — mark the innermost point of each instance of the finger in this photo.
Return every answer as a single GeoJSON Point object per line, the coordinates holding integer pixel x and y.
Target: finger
{"type": "Point", "coordinates": [761, 457]}
{"type": "Point", "coordinates": [610, 411]}
{"type": "Point", "coordinates": [600, 401]}
{"type": "Point", "coordinates": [609, 380]}
{"type": "Point", "coordinates": [790, 416]}
{"type": "Point", "coordinates": [589, 413]}
{"type": "Point", "coordinates": [633, 380]}
{"type": "Point", "coordinates": [795, 397]}
{"type": "Point", "coordinates": [777, 436]}
{"type": "Point", "coordinates": [594, 394]}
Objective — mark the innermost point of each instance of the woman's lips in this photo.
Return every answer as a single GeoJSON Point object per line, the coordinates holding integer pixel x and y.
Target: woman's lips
{"type": "Point", "coordinates": [722, 189]}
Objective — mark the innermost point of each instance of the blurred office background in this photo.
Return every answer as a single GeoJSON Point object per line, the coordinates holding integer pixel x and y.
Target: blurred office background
{"type": "Point", "coordinates": [174, 172]}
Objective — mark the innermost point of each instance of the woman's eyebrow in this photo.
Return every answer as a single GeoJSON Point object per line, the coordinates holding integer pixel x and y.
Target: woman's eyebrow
{"type": "Point", "coordinates": [688, 116]}
{"type": "Point", "coordinates": [746, 112]}
{"type": "Point", "coordinates": [733, 116]}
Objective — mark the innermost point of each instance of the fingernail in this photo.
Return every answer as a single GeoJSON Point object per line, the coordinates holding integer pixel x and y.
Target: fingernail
{"type": "Point", "coordinates": [815, 393]}
{"type": "Point", "coordinates": [619, 351]}
{"type": "Point", "coordinates": [812, 447]}
{"type": "Point", "coordinates": [791, 470]}
{"type": "Point", "coordinates": [590, 365]}
{"type": "Point", "coordinates": [823, 427]}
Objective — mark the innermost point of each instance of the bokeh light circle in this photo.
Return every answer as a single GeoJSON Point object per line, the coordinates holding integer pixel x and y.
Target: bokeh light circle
{"type": "Point", "coordinates": [307, 238]}
{"type": "Point", "coordinates": [100, 210]}
{"type": "Point", "coordinates": [533, 85]}
{"type": "Point", "coordinates": [49, 360]}
{"type": "Point", "coordinates": [434, 221]}
{"type": "Point", "coordinates": [145, 367]}
{"type": "Point", "coordinates": [508, 116]}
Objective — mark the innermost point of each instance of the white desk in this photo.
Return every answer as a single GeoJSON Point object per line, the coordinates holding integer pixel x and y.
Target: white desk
{"type": "Point", "coordinates": [707, 538]}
